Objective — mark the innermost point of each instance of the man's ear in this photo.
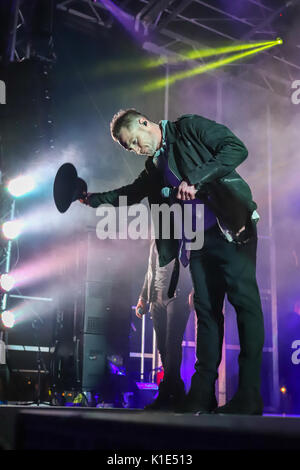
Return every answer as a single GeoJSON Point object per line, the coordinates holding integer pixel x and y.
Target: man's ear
{"type": "Point", "coordinates": [143, 121]}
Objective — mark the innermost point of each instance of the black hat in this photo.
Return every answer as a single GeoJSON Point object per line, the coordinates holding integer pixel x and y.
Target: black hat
{"type": "Point", "coordinates": [68, 187]}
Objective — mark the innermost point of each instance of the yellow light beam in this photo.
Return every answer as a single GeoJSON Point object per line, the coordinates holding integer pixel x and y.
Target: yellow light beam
{"type": "Point", "coordinates": [201, 53]}
{"type": "Point", "coordinates": [130, 65]}
{"type": "Point", "coordinates": [155, 85]}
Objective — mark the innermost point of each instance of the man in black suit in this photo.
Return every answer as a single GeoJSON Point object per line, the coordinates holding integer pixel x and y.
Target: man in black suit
{"type": "Point", "coordinates": [198, 157]}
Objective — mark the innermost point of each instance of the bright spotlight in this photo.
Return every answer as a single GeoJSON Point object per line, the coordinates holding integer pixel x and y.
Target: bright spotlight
{"type": "Point", "coordinates": [21, 185]}
{"type": "Point", "coordinates": [8, 319]}
{"type": "Point", "coordinates": [7, 282]}
{"type": "Point", "coordinates": [12, 229]}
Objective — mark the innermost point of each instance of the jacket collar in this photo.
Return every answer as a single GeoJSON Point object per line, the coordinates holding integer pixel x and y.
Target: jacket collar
{"type": "Point", "coordinates": [171, 135]}
{"type": "Point", "coordinates": [171, 132]}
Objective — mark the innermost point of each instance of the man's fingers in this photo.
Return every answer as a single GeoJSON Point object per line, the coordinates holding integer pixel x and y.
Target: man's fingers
{"type": "Point", "coordinates": [181, 194]}
{"type": "Point", "coordinates": [138, 314]}
{"type": "Point", "coordinates": [84, 199]}
{"type": "Point", "coordinates": [186, 194]}
{"type": "Point", "coordinates": [140, 309]}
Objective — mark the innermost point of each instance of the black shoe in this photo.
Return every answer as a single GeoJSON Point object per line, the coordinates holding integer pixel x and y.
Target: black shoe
{"type": "Point", "coordinates": [244, 402]}
{"type": "Point", "coordinates": [168, 399]}
{"type": "Point", "coordinates": [158, 405]}
{"type": "Point", "coordinates": [198, 404]}
{"type": "Point", "coordinates": [201, 397]}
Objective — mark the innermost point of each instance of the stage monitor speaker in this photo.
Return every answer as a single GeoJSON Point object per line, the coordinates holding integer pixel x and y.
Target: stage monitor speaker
{"type": "Point", "coordinates": [97, 307]}
{"type": "Point", "coordinates": [93, 362]}
{"type": "Point", "coordinates": [101, 311]}
{"type": "Point", "coordinates": [94, 337]}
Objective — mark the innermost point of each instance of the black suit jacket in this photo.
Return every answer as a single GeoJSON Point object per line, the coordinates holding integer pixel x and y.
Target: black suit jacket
{"type": "Point", "coordinates": [201, 152]}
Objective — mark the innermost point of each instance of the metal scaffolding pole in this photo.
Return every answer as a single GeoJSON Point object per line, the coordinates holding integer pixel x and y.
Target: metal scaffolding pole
{"type": "Point", "coordinates": [8, 256]}
{"type": "Point", "coordinates": [143, 349]}
{"type": "Point", "coordinates": [155, 356]}
{"type": "Point", "coordinates": [12, 38]}
{"type": "Point", "coordinates": [222, 368]}
{"type": "Point", "coordinates": [273, 283]}
{"type": "Point", "coordinates": [167, 93]}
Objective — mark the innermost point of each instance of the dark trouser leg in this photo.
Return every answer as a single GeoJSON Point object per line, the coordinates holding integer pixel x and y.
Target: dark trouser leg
{"type": "Point", "coordinates": [243, 294]}
{"type": "Point", "coordinates": [209, 292]}
{"type": "Point", "coordinates": [222, 266]}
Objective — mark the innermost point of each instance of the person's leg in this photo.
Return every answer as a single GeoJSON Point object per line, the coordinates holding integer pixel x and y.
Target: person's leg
{"type": "Point", "coordinates": [159, 319]}
{"type": "Point", "coordinates": [177, 319]}
{"type": "Point", "coordinates": [239, 266]}
{"type": "Point", "coordinates": [169, 323]}
{"type": "Point", "coordinates": [209, 292]}
{"type": "Point", "coordinates": [243, 294]}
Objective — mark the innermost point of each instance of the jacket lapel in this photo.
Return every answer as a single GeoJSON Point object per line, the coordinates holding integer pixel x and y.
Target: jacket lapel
{"type": "Point", "coordinates": [172, 138]}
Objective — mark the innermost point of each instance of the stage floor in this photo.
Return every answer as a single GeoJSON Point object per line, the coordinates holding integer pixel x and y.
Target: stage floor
{"type": "Point", "coordinates": [111, 429]}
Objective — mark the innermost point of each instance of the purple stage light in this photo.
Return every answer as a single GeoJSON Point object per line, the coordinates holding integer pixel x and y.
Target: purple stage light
{"type": "Point", "coordinates": [146, 386]}
{"type": "Point", "coordinates": [126, 20]}
{"type": "Point", "coordinates": [116, 370]}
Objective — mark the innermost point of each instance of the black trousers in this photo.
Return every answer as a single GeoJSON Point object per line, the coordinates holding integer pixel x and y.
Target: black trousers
{"type": "Point", "coordinates": [217, 269]}
{"type": "Point", "coordinates": [169, 322]}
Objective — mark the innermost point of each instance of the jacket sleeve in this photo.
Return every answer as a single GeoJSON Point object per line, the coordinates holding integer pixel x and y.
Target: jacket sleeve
{"type": "Point", "coordinates": [150, 274]}
{"type": "Point", "coordinates": [135, 192]}
{"type": "Point", "coordinates": [144, 292]}
{"type": "Point", "coordinates": [227, 152]}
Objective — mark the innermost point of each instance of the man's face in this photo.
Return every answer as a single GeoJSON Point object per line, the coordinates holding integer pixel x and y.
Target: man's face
{"type": "Point", "coordinates": [140, 138]}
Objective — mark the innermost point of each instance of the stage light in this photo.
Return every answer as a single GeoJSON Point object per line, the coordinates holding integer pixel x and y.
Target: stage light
{"type": "Point", "coordinates": [8, 319]}
{"type": "Point", "coordinates": [279, 40]}
{"type": "Point", "coordinates": [7, 282]}
{"type": "Point", "coordinates": [21, 185]}
{"type": "Point", "coordinates": [157, 84]}
{"type": "Point", "coordinates": [12, 229]}
{"type": "Point", "coordinates": [283, 390]}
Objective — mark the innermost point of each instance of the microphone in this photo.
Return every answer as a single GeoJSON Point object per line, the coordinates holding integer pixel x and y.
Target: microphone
{"type": "Point", "coordinates": [172, 192]}
{"type": "Point", "coordinates": [168, 192]}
